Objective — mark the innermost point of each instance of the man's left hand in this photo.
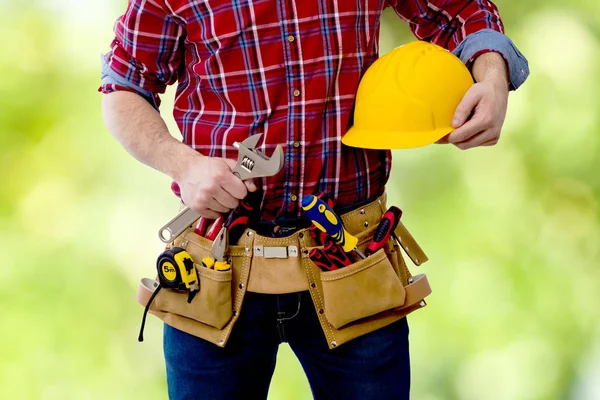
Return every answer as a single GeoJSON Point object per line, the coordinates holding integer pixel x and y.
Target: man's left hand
{"type": "Point", "coordinates": [480, 115]}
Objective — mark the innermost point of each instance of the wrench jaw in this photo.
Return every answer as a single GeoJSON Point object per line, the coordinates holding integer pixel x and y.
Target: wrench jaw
{"type": "Point", "coordinates": [251, 141]}
{"type": "Point", "coordinates": [253, 163]}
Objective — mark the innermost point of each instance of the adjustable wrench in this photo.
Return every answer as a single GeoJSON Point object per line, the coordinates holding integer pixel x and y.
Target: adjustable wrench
{"type": "Point", "coordinates": [251, 164]}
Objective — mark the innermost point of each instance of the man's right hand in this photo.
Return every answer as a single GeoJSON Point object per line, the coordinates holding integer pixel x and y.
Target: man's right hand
{"type": "Point", "coordinates": [210, 188]}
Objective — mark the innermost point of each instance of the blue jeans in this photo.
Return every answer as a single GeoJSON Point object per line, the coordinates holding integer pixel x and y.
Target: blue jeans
{"type": "Point", "coordinates": [373, 366]}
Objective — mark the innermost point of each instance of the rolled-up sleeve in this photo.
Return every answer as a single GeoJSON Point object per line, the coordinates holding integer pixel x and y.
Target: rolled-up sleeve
{"type": "Point", "coordinates": [468, 28]}
{"type": "Point", "coordinates": [146, 53]}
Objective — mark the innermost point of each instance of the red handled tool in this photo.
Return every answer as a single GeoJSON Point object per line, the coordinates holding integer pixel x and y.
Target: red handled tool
{"type": "Point", "coordinates": [201, 225]}
{"type": "Point", "coordinates": [336, 254]}
{"type": "Point", "coordinates": [321, 260]}
{"type": "Point", "coordinates": [175, 189]}
{"type": "Point", "coordinates": [325, 197]}
{"type": "Point", "coordinates": [240, 217]}
{"type": "Point", "coordinates": [215, 228]}
{"type": "Point", "coordinates": [318, 235]}
{"type": "Point", "coordinates": [385, 229]}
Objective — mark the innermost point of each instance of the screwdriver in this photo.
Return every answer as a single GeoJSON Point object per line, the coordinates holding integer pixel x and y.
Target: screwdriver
{"type": "Point", "coordinates": [336, 254]}
{"type": "Point", "coordinates": [384, 230]}
{"type": "Point", "coordinates": [324, 218]}
{"type": "Point", "coordinates": [321, 260]}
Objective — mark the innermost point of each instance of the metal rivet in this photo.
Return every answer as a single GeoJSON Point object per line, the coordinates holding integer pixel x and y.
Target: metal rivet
{"type": "Point", "coordinates": [366, 224]}
{"type": "Point", "coordinates": [301, 235]}
{"type": "Point", "coordinates": [234, 313]}
{"type": "Point", "coordinates": [362, 210]}
{"type": "Point", "coordinates": [411, 280]}
{"type": "Point", "coordinates": [406, 248]}
{"type": "Point", "coordinates": [333, 344]}
{"type": "Point", "coordinates": [379, 201]}
{"type": "Point", "coordinates": [184, 244]}
{"type": "Point", "coordinates": [422, 303]}
{"type": "Point", "coordinates": [321, 311]}
{"type": "Point", "coordinates": [305, 251]}
{"type": "Point", "coordinates": [247, 250]}
{"type": "Point", "coordinates": [313, 285]}
{"type": "Point", "coordinates": [221, 341]}
{"type": "Point", "coordinates": [417, 261]}
{"type": "Point", "coordinates": [241, 286]}
{"type": "Point", "coordinates": [249, 233]}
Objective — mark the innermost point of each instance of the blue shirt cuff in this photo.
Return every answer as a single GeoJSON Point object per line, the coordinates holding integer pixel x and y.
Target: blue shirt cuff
{"type": "Point", "coordinates": [490, 40]}
{"type": "Point", "coordinates": [110, 77]}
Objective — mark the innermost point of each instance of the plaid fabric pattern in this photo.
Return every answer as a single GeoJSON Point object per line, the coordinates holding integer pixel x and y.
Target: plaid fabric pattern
{"type": "Point", "coordinates": [286, 68]}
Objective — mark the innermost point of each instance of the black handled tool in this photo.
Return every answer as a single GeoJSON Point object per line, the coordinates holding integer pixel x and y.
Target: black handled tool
{"type": "Point", "coordinates": [336, 254]}
{"type": "Point", "coordinates": [384, 230]}
{"type": "Point", "coordinates": [321, 260]}
{"type": "Point", "coordinates": [240, 217]}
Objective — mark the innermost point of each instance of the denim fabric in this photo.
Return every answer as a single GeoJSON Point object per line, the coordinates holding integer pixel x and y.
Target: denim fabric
{"type": "Point", "coordinates": [491, 40]}
{"type": "Point", "coordinates": [373, 366]}
{"type": "Point", "coordinates": [110, 77]}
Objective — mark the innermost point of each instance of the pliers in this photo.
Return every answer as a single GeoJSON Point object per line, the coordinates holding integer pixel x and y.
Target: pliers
{"type": "Point", "coordinates": [217, 260]}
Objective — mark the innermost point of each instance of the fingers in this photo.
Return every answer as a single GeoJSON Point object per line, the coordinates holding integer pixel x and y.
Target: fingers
{"type": "Point", "coordinates": [225, 200]}
{"type": "Point", "coordinates": [250, 186]}
{"type": "Point", "coordinates": [466, 106]}
{"type": "Point", "coordinates": [210, 214]}
{"type": "Point", "coordinates": [485, 138]}
{"type": "Point", "coordinates": [231, 183]}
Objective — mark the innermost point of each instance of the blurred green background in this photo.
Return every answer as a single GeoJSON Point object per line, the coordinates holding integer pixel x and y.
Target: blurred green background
{"type": "Point", "coordinates": [513, 231]}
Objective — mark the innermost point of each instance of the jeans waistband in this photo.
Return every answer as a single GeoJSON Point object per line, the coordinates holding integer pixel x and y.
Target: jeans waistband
{"type": "Point", "coordinates": [282, 227]}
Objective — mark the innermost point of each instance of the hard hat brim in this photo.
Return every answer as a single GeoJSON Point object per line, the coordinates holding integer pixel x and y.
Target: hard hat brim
{"type": "Point", "coordinates": [384, 140]}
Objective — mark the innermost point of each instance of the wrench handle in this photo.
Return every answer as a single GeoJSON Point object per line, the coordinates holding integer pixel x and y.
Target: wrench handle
{"type": "Point", "coordinates": [177, 225]}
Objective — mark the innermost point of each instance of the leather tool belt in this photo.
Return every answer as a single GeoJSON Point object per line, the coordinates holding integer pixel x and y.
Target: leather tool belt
{"type": "Point", "coordinates": [381, 286]}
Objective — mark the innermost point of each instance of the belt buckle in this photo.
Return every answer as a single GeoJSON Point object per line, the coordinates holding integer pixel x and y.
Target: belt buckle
{"type": "Point", "coordinates": [276, 251]}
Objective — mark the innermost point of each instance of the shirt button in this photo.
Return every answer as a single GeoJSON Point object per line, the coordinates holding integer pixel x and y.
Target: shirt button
{"type": "Point", "coordinates": [291, 38]}
{"type": "Point", "coordinates": [294, 197]}
{"type": "Point", "coordinates": [296, 144]}
{"type": "Point", "coordinates": [296, 93]}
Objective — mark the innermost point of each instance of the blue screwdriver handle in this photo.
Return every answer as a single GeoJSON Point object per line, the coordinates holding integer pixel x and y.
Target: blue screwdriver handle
{"type": "Point", "coordinates": [324, 218]}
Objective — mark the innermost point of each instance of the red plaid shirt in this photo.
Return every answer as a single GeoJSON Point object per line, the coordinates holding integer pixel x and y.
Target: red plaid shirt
{"type": "Point", "coordinates": [285, 68]}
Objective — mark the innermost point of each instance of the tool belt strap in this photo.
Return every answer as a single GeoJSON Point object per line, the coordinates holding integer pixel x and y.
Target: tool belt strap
{"type": "Point", "coordinates": [276, 265]}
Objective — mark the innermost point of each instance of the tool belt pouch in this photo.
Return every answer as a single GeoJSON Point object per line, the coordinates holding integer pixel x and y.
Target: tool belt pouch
{"type": "Point", "coordinates": [213, 311]}
{"type": "Point", "coordinates": [361, 290]}
{"type": "Point", "coordinates": [212, 305]}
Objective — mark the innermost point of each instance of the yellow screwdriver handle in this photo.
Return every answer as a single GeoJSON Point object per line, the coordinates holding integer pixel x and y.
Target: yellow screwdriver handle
{"type": "Point", "coordinates": [222, 266]}
{"type": "Point", "coordinates": [324, 218]}
{"type": "Point", "coordinates": [208, 262]}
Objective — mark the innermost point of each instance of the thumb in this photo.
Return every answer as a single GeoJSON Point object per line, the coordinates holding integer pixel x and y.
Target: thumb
{"type": "Point", "coordinates": [465, 107]}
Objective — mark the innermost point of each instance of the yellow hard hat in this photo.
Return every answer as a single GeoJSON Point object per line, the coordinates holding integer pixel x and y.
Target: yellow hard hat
{"type": "Point", "coordinates": [407, 98]}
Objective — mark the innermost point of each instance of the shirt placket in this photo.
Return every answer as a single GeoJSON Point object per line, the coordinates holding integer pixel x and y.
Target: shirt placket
{"type": "Point", "coordinates": [294, 79]}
